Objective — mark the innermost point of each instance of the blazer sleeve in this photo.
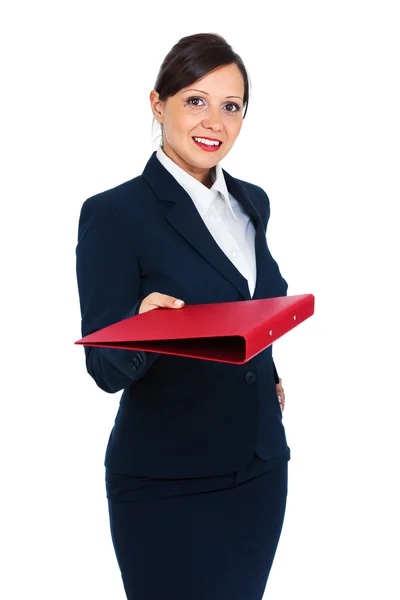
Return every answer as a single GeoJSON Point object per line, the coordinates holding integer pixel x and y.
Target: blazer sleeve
{"type": "Point", "coordinates": [108, 278]}
{"type": "Point", "coordinates": [276, 376]}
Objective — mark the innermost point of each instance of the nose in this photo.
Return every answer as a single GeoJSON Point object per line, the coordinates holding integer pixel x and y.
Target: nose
{"type": "Point", "coordinates": [213, 120]}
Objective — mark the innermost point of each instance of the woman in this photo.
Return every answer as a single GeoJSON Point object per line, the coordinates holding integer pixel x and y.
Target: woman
{"type": "Point", "coordinates": [196, 463]}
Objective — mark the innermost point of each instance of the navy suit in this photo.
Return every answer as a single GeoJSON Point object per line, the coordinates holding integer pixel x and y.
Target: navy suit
{"type": "Point", "coordinates": [178, 417]}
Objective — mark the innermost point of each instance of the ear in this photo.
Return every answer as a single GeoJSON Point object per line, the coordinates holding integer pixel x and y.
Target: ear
{"type": "Point", "coordinates": [156, 105]}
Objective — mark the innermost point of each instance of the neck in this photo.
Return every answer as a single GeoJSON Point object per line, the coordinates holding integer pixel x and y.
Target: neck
{"type": "Point", "coordinates": [205, 176]}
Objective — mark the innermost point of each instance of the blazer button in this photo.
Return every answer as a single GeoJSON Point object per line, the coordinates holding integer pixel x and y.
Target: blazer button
{"type": "Point", "coordinates": [135, 362]}
{"type": "Point", "coordinates": [250, 377]}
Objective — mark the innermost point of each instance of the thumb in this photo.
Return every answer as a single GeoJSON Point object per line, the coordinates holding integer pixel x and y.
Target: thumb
{"type": "Point", "coordinates": [176, 302]}
{"type": "Point", "coordinates": [166, 301]}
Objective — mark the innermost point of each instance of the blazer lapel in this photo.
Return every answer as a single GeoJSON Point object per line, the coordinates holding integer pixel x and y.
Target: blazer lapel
{"type": "Point", "coordinates": [242, 195]}
{"type": "Point", "coordinates": [184, 217]}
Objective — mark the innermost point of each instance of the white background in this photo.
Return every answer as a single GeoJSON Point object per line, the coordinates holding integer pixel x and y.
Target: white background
{"type": "Point", "coordinates": [321, 136]}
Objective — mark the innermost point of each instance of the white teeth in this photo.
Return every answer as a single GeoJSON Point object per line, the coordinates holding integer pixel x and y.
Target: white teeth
{"type": "Point", "coordinates": [207, 142]}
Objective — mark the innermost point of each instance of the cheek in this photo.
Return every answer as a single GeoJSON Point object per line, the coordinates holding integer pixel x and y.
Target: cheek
{"type": "Point", "coordinates": [233, 124]}
{"type": "Point", "coordinates": [233, 130]}
{"type": "Point", "coordinates": [178, 122]}
{"type": "Point", "coordinates": [185, 125]}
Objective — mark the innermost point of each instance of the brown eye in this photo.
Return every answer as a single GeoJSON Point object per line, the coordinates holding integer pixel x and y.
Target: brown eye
{"type": "Point", "coordinates": [236, 106]}
{"type": "Point", "coordinates": [195, 101]}
{"type": "Point", "coordinates": [190, 100]}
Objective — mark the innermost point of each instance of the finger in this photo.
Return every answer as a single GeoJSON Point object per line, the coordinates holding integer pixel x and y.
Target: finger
{"type": "Point", "coordinates": [171, 301]}
{"type": "Point", "coordinates": [165, 301]}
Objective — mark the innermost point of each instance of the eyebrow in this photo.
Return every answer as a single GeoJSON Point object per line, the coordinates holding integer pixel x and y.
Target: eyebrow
{"type": "Point", "coordinates": [202, 92]}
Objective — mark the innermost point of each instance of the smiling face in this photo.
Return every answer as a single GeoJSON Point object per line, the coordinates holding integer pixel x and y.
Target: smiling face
{"type": "Point", "coordinates": [210, 108]}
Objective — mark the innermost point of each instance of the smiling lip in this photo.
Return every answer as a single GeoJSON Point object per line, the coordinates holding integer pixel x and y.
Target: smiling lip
{"type": "Point", "coordinates": [207, 147]}
{"type": "Point", "coordinates": [207, 138]}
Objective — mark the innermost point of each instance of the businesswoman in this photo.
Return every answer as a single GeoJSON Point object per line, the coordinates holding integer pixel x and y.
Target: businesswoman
{"type": "Point", "coordinates": [196, 462]}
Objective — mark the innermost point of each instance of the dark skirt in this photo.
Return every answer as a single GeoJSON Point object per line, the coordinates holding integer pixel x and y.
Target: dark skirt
{"type": "Point", "coordinates": [206, 538]}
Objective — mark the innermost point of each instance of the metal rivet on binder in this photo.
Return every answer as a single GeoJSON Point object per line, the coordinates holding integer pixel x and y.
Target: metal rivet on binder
{"type": "Point", "coordinates": [270, 332]}
{"type": "Point", "coordinates": [294, 317]}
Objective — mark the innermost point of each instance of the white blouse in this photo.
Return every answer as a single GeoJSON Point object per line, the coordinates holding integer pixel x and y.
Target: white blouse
{"type": "Point", "coordinates": [225, 218]}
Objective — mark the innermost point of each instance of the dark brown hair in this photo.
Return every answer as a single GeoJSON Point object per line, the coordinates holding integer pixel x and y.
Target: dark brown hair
{"type": "Point", "coordinates": [192, 58]}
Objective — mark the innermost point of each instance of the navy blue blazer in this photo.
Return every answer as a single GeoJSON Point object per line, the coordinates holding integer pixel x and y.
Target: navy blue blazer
{"type": "Point", "coordinates": [178, 416]}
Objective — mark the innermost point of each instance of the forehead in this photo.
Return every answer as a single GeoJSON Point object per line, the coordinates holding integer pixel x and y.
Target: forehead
{"type": "Point", "coordinates": [224, 80]}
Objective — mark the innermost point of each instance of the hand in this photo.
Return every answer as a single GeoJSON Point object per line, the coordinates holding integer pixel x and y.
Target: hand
{"type": "Point", "coordinates": [281, 394]}
{"type": "Point", "coordinates": [158, 300]}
